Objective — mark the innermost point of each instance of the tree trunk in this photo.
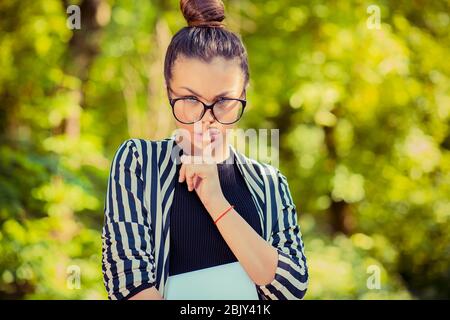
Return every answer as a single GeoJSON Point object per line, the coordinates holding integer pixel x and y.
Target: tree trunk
{"type": "Point", "coordinates": [82, 50]}
{"type": "Point", "coordinates": [339, 211]}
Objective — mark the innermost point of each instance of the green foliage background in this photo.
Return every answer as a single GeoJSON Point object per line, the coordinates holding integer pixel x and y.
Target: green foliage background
{"type": "Point", "coordinates": [363, 115]}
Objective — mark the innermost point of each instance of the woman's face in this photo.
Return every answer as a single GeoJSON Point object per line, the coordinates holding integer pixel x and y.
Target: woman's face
{"type": "Point", "coordinates": [208, 82]}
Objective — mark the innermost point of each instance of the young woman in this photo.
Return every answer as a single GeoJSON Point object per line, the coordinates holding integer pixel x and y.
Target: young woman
{"type": "Point", "coordinates": [164, 218]}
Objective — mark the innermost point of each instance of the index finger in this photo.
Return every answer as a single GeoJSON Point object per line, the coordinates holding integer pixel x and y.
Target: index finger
{"type": "Point", "coordinates": [182, 175]}
{"type": "Point", "coordinates": [207, 148]}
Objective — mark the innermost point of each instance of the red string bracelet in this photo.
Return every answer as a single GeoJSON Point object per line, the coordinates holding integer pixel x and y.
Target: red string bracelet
{"type": "Point", "coordinates": [224, 213]}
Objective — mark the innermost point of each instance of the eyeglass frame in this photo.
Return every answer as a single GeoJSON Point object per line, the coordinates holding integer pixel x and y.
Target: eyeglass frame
{"type": "Point", "coordinates": [206, 107]}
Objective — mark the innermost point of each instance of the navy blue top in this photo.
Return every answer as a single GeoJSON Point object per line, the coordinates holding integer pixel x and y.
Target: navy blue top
{"type": "Point", "coordinates": [195, 241]}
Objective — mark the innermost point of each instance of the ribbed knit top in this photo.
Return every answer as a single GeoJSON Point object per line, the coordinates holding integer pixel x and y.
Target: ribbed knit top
{"type": "Point", "coordinates": [195, 241]}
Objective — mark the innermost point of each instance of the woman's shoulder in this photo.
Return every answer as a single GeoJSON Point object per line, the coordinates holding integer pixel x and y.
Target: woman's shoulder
{"type": "Point", "coordinates": [142, 151]}
{"type": "Point", "coordinates": [262, 165]}
{"type": "Point", "coordinates": [144, 147]}
{"type": "Point", "coordinates": [266, 173]}
{"type": "Point", "coordinates": [140, 142]}
{"type": "Point", "coordinates": [261, 168]}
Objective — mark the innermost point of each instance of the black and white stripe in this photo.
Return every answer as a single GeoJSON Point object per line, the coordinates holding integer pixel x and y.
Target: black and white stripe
{"type": "Point", "coordinates": [136, 233]}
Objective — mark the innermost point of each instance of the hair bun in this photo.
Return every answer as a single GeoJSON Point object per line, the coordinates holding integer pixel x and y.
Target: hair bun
{"type": "Point", "coordinates": [203, 13]}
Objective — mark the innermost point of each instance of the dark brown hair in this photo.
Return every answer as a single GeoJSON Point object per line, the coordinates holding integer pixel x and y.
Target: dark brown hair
{"type": "Point", "coordinates": [205, 37]}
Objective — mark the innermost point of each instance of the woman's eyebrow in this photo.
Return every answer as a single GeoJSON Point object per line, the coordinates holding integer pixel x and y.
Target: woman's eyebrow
{"type": "Point", "coordinates": [197, 95]}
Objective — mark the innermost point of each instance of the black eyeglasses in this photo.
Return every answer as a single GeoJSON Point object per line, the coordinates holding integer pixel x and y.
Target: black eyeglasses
{"type": "Point", "coordinates": [189, 110]}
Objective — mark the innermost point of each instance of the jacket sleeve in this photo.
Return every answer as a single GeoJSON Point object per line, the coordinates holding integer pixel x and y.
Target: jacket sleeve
{"type": "Point", "coordinates": [127, 262]}
{"type": "Point", "coordinates": [291, 275]}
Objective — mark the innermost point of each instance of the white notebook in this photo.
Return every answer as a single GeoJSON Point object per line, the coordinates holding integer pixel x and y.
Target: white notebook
{"type": "Point", "coordinates": [224, 282]}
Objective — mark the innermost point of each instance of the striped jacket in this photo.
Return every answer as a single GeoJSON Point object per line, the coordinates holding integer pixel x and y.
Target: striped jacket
{"type": "Point", "coordinates": [135, 234]}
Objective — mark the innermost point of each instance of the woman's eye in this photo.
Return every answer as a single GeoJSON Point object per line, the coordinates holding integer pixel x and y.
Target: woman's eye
{"type": "Point", "coordinates": [191, 100]}
{"type": "Point", "coordinates": [223, 103]}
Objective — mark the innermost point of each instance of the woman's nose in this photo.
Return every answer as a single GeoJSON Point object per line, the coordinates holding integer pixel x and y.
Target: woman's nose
{"type": "Point", "coordinates": [208, 116]}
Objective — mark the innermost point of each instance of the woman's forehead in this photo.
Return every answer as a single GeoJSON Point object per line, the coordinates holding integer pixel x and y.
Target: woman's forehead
{"type": "Point", "coordinates": [207, 77]}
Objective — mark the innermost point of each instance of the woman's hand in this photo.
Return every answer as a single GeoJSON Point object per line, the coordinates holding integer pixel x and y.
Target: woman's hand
{"type": "Point", "coordinates": [203, 177]}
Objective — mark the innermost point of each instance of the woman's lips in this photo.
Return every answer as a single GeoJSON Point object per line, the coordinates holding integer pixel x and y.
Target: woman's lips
{"type": "Point", "coordinates": [214, 132]}
{"type": "Point", "coordinates": [208, 135]}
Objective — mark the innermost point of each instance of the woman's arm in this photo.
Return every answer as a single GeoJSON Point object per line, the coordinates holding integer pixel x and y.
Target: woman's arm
{"type": "Point", "coordinates": [278, 266]}
{"type": "Point", "coordinates": [256, 255]}
{"type": "Point", "coordinates": [291, 276]}
{"type": "Point", "coordinates": [127, 261]}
